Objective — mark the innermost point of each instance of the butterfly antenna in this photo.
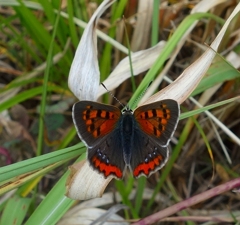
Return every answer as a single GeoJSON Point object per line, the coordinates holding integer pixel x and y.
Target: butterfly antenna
{"type": "Point", "coordinates": [141, 95]}
{"type": "Point", "coordinates": [113, 96]}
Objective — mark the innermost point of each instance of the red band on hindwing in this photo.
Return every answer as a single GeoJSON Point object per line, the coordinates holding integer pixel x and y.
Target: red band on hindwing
{"type": "Point", "coordinates": [106, 169]}
{"type": "Point", "coordinates": [146, 168]}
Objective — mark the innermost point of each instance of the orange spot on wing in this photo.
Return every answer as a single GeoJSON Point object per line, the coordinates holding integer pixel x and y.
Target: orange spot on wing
{"type": "Point", "coordinates": [106, 169]}
{"type": "Point", "coordinates": [146, 168]}
{"type": "Point", "coordinates": [146, 126]}
{"type": "Point", "coordinates": [91, 115]}
{"type": "Point", "coordinates": [89, 122]}
{"type": "Point", "coordinates": [150, 113]}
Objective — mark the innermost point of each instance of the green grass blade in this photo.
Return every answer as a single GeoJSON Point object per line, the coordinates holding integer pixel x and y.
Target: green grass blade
{"type": "Point", "coordinates": [139, 195]}
{"type": "Point", "coordinates": [15, 210]}
{"type": "Point", "coordinates": [45, 88]}
{"type": "Point", "coordinates": [24, 96]}
{"type": "Point", "coordinates": [125, 189]}
{"type": "Point", "coordinates": [155, 23]}
{"type": "Point", "coordinates": [205, 108]}
{"type": "Point", "coordinates": [19, 40]}
{"type": "Point", "coordinates": [30, 165]}
{"type": "Point", "coordinates": [18, 83]}
{"type": "Point", "coordinates": [34, 27]}
{"type": "Point", "coordinates": [54, 206]}
{"type": "Point", "coordinates": [72, 28]}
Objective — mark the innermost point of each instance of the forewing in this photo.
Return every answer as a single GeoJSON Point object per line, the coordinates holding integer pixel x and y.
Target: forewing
{"type": "Point", "coordinates": [94, 121]}
{"type": "Point", "coordinates": [158, 120]}
{"type": "Point", "coordinates": [107, 157]}
{"type": "Point", "coordinates": [148, 156]}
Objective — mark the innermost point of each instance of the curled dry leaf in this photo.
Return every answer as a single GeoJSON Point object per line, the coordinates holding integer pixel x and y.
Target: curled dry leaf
{"type": "Point", "coordinates": [84, 77]}
{"type": "Point", "coordinates": [85, 183]}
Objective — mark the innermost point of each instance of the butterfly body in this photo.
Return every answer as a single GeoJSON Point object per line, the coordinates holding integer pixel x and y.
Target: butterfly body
{"type": "Point", "coordinates": [127, 126]}
{"type": "Point", "coordinates": [117, 140]}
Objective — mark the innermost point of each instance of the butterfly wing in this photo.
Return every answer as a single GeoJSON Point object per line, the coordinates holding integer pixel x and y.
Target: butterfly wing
{"type": "Point", "coordinates": [147, 156]}
{"type": "Point", "coordinates": [97, 127]}
{"type": "Point", "coordinates": [155, 125]}
{"type": "Point", "coordinates": [107, 157]}
{"type": "Point", "coordinates": [94, 121]}
{"type": "Point", "coordinates": [158, 120]}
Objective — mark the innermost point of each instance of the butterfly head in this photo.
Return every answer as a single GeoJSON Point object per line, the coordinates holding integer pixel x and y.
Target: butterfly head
{"type": "Point", "coordinates": [127, 110]}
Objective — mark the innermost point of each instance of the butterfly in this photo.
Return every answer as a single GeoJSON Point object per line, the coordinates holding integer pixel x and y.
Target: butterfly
{"type": "Point", "coordinates": [135, 139]}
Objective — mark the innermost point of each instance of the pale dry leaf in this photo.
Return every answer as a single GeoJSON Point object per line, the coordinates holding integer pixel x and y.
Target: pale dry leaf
{"type": "Point", "coordinates": [206, 5]}
{"type": "Point", "coordinates": [234, 59]}
{"type": "Point", "coordinates": [141, 61]}
{"type": "Point", "coordinates": [142, 29]}
{"type": "Point", "coordinates": [88, 215]}
{"type": "Point", "coordinates": [109, 213]}
{"type": "Point", "coordinates": [112, 198]}
{"type": "Point", "coordinates": [84, 76]}
{"type": "Point", "coordinates": [107, 199]}
{"type": "Point", "coordinates": [85, 183]}
{"type": "Point", "coordinates": [220, 141]}
{"type": "Point", "coordinates": [225, 129]}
